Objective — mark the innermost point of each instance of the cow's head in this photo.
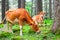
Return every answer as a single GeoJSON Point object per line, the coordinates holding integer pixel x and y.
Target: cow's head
{"type": "Point", "coordinates": [35, 27]}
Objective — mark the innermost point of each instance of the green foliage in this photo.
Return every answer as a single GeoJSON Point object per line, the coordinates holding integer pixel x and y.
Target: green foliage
{"type": "Point", "coordinates": [16, 38]}
{"type": "Point", "coordinates": [48, 22]}
{"type": "Point", "coordinates": [16, 28]}
{"type": "Point", "coordinates": [28, 7]}
{"type": "Point", "coordinates": [26, 28]}
{"type": "Point", "coordinates": [29, 34]}
{"type": "Point", "coordinates": [1, 25]}
{"type": "Point", "coordinates": [4, 34]}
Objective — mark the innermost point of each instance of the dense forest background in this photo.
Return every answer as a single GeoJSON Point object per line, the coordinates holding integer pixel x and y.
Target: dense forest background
{"type": "Point", "coordinates": [51, 23]}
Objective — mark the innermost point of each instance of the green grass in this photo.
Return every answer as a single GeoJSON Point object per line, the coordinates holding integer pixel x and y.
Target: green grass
{"type": "Point", "coordinates": [29, 34]}
{"type": "Point", "coordinates": [1, 25]}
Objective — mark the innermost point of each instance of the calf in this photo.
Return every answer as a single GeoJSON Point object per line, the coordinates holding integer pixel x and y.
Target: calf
{"type": "Point", "coordinates": [22, 16]}
{"type": "Point", "coordinates": [39, 18]}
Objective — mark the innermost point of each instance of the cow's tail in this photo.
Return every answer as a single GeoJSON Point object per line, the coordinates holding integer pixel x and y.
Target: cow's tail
{"type": "Point", "coordinates": [3, 20]}
{"type": "Point", "coordinates": [5, 15]}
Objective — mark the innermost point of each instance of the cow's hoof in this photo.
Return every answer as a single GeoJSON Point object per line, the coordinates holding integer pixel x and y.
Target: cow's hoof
{"type": "Point", "coordinates": [38, 32]}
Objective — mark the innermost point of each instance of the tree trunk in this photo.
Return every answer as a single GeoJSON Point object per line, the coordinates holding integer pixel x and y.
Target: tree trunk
{"type": "Point", "coordinates": [19, 3]}
{"type": "Point", "coordinates": [36, 7]}
{"type": "Point", "coordinates": [56, 24]}
{"type": "Point", "coordinates": [39, 5]}
{"type": "Point", "coordinates": [7, 5]}
{"type": "Point", "coordinates": [23, 3]}
{"type": "Point", "coordinates": [50, 11]}
{"type": "Point", "coordinates": [3, 8]}
{"type": "Point", "coordinates": [33, 7]}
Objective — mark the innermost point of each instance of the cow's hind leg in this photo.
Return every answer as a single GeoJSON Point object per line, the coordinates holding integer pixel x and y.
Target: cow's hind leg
{"type": "Point", "coordinates": [7, 25]}
{"type": "Point", "coordinates": [10, 28]}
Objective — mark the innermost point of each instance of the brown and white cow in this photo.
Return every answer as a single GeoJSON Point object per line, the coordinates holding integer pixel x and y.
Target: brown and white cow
{"type": "Point", "coordinates": [22, 16]}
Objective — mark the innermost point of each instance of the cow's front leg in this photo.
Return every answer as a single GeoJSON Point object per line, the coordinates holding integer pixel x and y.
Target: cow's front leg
{"type": "Point", "coordinates": [20, 23]}
{"type": "Point", "coordinates": [20, 30]}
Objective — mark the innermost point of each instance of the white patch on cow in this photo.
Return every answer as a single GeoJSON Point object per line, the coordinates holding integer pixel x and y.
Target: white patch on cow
{"type": "Point", "coordinates": [20, 30]}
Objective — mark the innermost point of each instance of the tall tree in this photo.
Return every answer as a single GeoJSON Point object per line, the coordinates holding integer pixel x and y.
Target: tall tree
{"type": "Point", "coordinates": [19, 3]}
{"type": "Point", "coordinates": [56, 24]}
{"type": "Point", "coordinates": [7, 5]}
{"type": "Point", "coordinates": [36, 7]}
{"type": "Point", "coordinates": [39, 6]}
{"type": "Point", "coordinates": [3, 8]}
{"type": "Point", "coordinates": [50, 9]}
{"type": "Point", "coordinates": [34, 3]}
{"type": "Point", "coordinates": [23, 3]}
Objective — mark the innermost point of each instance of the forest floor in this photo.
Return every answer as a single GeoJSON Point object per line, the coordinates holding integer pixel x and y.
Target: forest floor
{"type": "Point", "coordinates": [28, 33]}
